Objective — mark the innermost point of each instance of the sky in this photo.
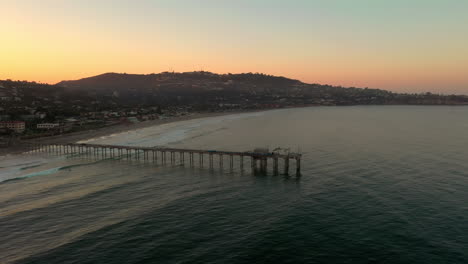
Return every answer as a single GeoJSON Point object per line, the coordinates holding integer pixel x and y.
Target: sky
{"type": "Point", "coordinates": [398, 45]}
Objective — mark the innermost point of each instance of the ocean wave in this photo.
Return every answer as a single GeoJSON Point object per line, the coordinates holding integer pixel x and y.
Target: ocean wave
{"type": "Point", "coordinates": [169, 133]}
{"type": "Point", "coordinates": [18, 165]}
{"type": "Point", "coordinates": [30, 167]}
{"type": "Point", "coordinates": [39, 173]}
{"type": "Point", "coordinates": [51, 171]}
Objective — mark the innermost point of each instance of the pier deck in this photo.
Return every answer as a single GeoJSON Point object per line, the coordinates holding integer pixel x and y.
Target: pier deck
{"type": "Point", "coordinates": [100, 150]}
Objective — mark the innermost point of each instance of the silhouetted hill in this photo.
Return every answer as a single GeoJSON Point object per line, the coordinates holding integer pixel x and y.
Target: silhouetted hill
{"type": "Point", "coordinates": [194, 91]}
{"type": "Point", "coordinates": [110, 81]}
{"type": "Point", "coordinates": [242, 89]}
{"type": "Point", "coordinates": [189, 82]}
{"type": "Point", "coordinates": [111, 96]}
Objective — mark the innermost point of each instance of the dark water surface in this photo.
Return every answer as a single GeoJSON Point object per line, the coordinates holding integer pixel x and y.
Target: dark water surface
{"type": "Point", "coordinates": [379, 185]}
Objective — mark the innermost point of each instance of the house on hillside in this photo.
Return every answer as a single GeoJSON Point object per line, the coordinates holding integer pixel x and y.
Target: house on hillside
{"type": "Point", "coordinates": [47, 125]}
{"type": "Point", "coordinates": [16, 126]}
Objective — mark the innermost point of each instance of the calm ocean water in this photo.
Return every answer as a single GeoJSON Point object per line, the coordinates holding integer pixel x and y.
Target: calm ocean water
{"type": "Point", "coordinates": [380, 184]}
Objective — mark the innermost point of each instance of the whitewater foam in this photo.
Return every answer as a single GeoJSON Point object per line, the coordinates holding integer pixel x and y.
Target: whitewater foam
{"type": "Point", "coordinates": [166, 134]}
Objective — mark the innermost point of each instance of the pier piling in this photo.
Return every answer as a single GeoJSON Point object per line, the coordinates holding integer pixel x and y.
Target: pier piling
{"type": "Point", "coordinates": [257, 158]}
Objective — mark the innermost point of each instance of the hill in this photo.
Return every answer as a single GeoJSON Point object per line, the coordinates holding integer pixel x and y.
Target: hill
{"type": "Point", "coordinates": [189, 91]}
{"type": "Point", "coordinates": [246, 90]}
{"type": "Point", "coordinates": [113, 98]}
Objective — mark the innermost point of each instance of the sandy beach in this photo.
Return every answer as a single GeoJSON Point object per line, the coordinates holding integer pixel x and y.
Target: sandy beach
{"type": "Point", "coordinates": [104, 131]}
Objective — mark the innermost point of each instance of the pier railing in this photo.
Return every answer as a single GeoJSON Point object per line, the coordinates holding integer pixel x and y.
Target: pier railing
{"type": "Point", "coordinates": [259, 160]}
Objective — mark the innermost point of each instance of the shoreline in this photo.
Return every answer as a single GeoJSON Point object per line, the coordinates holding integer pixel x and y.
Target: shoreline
{"type": "Point", "coordinates": [105, 131]}
{"type": "Point", "coordinates": [73, 137]}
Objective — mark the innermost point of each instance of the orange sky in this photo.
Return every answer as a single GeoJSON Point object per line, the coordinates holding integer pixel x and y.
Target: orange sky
{"type": "Point", "coordinates": [399, 47]}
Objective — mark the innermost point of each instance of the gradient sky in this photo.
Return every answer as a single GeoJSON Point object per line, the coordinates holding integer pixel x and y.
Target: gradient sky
{"type": "Point", "coordinates": [400, 45]}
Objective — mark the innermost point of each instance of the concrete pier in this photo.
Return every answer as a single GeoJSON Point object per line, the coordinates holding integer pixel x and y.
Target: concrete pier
{"type": "Point", "coordinates": [259, 160]}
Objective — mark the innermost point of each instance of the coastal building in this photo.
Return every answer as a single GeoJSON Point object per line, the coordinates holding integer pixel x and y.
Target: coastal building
{"type": "Point", "coordinates": [4, 97]}
{"type": "Point", "coordinates": [16, 126]}
{"type": "Point", "coordinates": [47, 125]}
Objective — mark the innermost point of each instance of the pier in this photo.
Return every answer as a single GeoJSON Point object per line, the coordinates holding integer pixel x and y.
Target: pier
{"type": "Point", "coordinates": [259, 160]}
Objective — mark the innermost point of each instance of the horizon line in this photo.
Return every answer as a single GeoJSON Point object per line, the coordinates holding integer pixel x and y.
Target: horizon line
{"type": "Point", "coordinates": [227, 73]}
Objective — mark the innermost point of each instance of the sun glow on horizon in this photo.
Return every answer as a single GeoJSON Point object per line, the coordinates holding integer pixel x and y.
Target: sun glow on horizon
{"type": "Point", "coordinates": [400, 46]}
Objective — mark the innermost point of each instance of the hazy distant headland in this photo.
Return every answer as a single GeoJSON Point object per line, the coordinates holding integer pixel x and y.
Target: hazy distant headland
{"type": "Point", "coordinates": [110, 98]}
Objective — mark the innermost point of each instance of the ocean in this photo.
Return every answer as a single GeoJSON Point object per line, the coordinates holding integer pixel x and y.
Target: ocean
{"type": "Point", "coordinates": [379, 184]}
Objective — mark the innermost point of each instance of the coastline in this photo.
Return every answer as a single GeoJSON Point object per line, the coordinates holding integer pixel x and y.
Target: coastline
{"type": "Point", "coordinates": [73, 137]}
{"type": "Point", "coordinates": [105, 131]}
